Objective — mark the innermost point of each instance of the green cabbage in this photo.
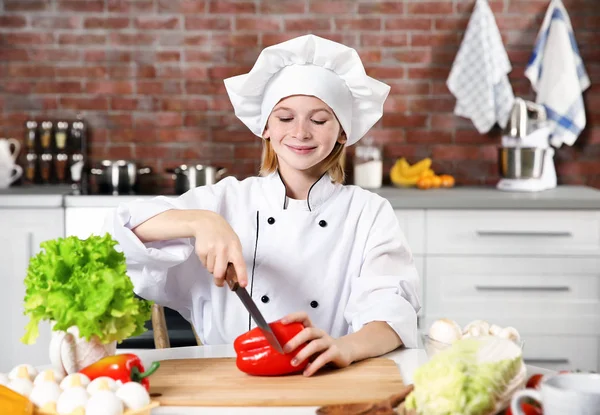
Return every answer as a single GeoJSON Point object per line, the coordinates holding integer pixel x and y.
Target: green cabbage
{"type": "Point", "coordinates": [455, 382]}
{"type": "Point", "coordinates": [83, 283]}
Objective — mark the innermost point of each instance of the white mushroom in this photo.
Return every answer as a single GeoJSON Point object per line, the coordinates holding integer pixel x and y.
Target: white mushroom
{"type": "Point", "coordinates": [495, 329]}
{"type": "Point", "coordinates": [22, 386]}
{"type": "Point", "coordinates": [48, 375]}
{"type": "Point", "coordinates": [102, 383]}
{"type": "Point", "coordinates": [74, 380]}
{"type": "Point", "coordinates": [4, 379]}
{"type": "Point", "coordinates": [133, 395]}
{"type": "Point", "coordinates": [104, 401]}
{"type": "Point", "coordinates": [22, 371]}
{"type": "Point", "coordinates": [510, 333]}
{"type": "Point", "coordinates": [72, 399]}
{"type": "Point", "coordinates": [445, 330]}
{"type": "Point", "coordinates": [483, 328]}
{"type": "Point", "coordinates": [45, 393]}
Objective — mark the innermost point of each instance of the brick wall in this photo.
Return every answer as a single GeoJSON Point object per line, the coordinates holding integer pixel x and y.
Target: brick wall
{"type": "Point", "coordinates": [147, 74]}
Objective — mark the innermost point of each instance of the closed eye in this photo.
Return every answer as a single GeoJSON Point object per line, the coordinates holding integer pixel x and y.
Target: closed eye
{"type": "Point", "coordinates": [285, 119]}
{"type": "Point", "coordinates": [319, 122]}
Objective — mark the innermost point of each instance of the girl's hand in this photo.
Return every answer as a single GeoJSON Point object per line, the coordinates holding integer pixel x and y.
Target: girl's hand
{"type": "Point", "coordinates": [217, 245]}
{"type": "Point", "coordinates": [327, 349]}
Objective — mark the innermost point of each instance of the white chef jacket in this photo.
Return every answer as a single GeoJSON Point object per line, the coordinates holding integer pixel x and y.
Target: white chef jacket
{"type": "Point", "coordinates": [340, 256]}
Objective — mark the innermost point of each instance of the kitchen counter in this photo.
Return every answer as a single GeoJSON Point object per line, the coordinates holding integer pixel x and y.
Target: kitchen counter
{"type": "Point", "coordinates": [406, 359]}
{"type": "Point", "coordinates": [562, 197]}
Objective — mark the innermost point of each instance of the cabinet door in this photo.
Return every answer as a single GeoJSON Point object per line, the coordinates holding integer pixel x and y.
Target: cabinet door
{"type": "Point", "coordinates": [22, 232]}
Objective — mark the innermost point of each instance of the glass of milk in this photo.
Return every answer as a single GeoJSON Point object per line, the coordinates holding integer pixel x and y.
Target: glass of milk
{"type": "Point", "coordinates": [368, 164]}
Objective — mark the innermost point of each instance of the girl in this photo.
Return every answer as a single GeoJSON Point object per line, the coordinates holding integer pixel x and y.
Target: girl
{"type": "Point", "coordinates": [307, 248]}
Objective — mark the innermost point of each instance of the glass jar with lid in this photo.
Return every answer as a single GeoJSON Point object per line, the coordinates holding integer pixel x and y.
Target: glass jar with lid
{"type": "Point", "coordinates": [368, 164]}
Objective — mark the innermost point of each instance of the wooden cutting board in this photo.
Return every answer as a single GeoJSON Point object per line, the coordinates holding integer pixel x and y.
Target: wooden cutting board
{"type": "Point", "coordinates": [218, 382]}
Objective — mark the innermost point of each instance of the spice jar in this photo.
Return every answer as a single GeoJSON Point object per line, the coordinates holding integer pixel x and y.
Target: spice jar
{"type": "Point", "coordinates": [46, 136]}
{"type": "Point", "coordinates": [368, 164]}
{"type": "Point", "coordinates": [60, 138]}
{"type": "Point", "coordinates": [30, 137]}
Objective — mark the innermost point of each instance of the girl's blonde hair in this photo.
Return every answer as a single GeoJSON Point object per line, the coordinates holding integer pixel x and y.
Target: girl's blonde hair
{"type": "Point", "coordinates": [333, 164]}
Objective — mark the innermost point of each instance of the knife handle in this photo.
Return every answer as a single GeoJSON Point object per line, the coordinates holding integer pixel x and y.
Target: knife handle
{"type": "Point", "coordinates": [231, 277]}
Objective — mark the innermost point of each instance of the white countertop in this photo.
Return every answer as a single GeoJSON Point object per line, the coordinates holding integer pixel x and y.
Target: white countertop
{"type": "Point", "coordinates": [406, 359]}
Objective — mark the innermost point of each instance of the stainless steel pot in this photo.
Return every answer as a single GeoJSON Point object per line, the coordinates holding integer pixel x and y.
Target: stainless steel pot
{"type": "Point", "coordinates": [521, 162]}
{"type": "Point", "coordinates": [118, 176]}
{"type": "Point", "coordinates": [189, 176]}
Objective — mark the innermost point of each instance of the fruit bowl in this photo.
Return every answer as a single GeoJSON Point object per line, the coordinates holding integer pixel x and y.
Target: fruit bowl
{"type": "Point", "coordinates": [432, 347]}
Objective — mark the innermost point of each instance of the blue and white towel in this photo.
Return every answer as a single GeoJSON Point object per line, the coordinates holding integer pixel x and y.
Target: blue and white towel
{"type": "Point", "coordinates": [558, 76]}
{"type": "Point", "coordinates": [479, 75]}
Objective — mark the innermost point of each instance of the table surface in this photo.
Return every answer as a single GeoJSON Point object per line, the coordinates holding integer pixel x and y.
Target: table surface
{"type": "Point", "coordinates": [406, 359]}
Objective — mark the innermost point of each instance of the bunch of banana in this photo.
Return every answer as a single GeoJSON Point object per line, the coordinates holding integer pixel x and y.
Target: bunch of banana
{"type": "Point", "coordinates": [403, 174]}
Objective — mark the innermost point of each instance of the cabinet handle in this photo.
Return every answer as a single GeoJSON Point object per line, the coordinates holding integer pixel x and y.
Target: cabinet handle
{"type": "Point", "coordinates": [29, 244]}
{"type": "Point", "coordinates": [522, 288]}
{"type": "Point", "coordinates": [559, 361]}
{"type": "Point", "coordinates": [556, 234]}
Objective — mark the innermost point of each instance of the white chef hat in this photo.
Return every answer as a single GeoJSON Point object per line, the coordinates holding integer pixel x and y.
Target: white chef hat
{"type": "Point", "coordinates": [309, 65]}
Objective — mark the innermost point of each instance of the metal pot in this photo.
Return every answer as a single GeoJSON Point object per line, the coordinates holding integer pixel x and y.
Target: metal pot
{"type": "Point", "coordinates": [118, 176]}
{"type": "Point", "coordinates": [190, 176]}
{"type": "Point", "coordinates": [521, 162]}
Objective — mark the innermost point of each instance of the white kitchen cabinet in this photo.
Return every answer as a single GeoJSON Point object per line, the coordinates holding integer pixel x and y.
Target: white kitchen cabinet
{"type": "Point", "coordinates": [22, 232]}
{"type": "Point", "coordinates": [85, 221]}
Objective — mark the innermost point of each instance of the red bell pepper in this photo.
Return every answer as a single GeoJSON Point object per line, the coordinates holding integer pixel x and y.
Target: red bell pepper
{"type": "Point", "coordinates": [256, 356]}
{"type": "Point", "coordinates": [125, 367]}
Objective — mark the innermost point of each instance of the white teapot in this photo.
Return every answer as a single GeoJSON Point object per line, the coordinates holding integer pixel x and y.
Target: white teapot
{"type": "Point", "coordinates": [8, 157]}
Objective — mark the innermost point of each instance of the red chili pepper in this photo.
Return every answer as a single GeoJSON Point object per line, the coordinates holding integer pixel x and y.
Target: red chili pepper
{"type": "Point", "coordinates": [125, 367]}
{"type": "Point", "coordinates": [256, 356]}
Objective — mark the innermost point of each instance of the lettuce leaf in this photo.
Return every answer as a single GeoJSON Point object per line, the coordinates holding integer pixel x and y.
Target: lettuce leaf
{"type": "Point", "coordinates": [83, 283]}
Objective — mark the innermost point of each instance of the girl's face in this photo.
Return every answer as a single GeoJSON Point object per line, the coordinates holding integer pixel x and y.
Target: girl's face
{"type": "Point", "coordinates": [303, 131]}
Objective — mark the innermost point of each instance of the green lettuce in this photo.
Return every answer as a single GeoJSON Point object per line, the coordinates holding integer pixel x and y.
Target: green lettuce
{"type": "Point", "coordinates": [456, 382]}
{"type": "Point", "coordinates": [83, 283]}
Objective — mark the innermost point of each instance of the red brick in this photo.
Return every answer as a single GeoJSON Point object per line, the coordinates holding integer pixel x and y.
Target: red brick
{"type": "Point", "coordinates": [358, 23]}
{"type": "Point", "coordinates": [121, 72]}
{"type": "Point", "coordinates": [423, 55]}
{"type": "Point", "coordinates": [207, 23]}
{"type": "Point", "coordinates": [194, 55]}
{"type": "Point", "coordinates": [80, 5]}
{"type": "Point", "coordinates": [384, 39]}
{"type": "Point", "coordinates": [403, 120]}
{"type": "Point", "coordinates": [159, 119]}
{"type": "Point", "coordinates": [524, 22]}
{"type": "Point", "coordinates": [593, 136]}
{"type": "Point", "coordinates": [169, 72]}
{"type": "Point", "coordinates": [193, 136]}
{"type": "Point", "coordinates": [467, 6]}
{"type": "Point", "coordinates": [519, 38]}
{"type": "Point", "coordinates": [183, 104]}
{"type": "Point", "coordinates": [109, 87]}
{"type": "Point", "coordinates": [120, 151]}
{"type": "Point", "coordinates": [204, 88]}
{"type": "Point", "coordinates": [248, 151]}
{"type": "Point", "coordinates": [282, 7]}
{"type": "Point", "coordinates": [13, 55]}
{"type": "Point", "coordinates": [16, 87]}
{"type": "Point", "coordinates": [27, 5]}
{"type": "Point", "coordinates": [197, 40]}
{"type": "Point", "coordinates": [106, 23]}
{"type": "Point", "coordinates": [524, 7]}
{"type": "Point", "coordinates": [233, 40]}
{"type": "Point", "coordinates": [96, 103]}
{"type": "Point", "coordinates": [429, 7]}
{"type": "Point", "coordinates": [307, 23]}
{"type": "Point", "coordinates": [434, 39]}
{"type": "Point", "coordinates": [158, 87]}
{"type": "Point", "coordinates": [332, 7]}
{"type": "Point", "coordinates": [133, 39]}
{"type": "Point", "coordinates": [132, 6]}
{"type": "Point", "coordinates": [443, 121]}
{"type": "Point", "coordinates": [269, 39]}
{"type": "Point", "coordinates": [408, 23]}
{"type": "Point", "coordinates": [220, 103]}
{"type": "Point", "coordinates": [395, 103]}
{"type": "Point", "coordinates": [231, 6]}
{"type": "Point", "coordinates": [406, 87]}
{"type": "Point", "coordinates": [12, 21]}
{"type": "Point", "coordinates": [123, 103]}
{"type": "Point", "coordinates": [233, 136]}
{"type": "Point", "coordinates": [204, 119]}
{"type": "Point", "coordinates": [219, 73]}
{"type": "Point", "coordinates": [66, 87]}
{"type": "Point", "coordinates": [157, 23]}
{"type": "Point", "coordinates": [381, 7]}
{"type": "Point", "coordinates": [385, 72]}
{"type": "Point", "coordinates": [578, 168]}
{"type": "Point", "coordinates": [261, 24]}
{"type": "Point", "coordinates": [428, 105]}
{"type": "Point", "coordinates": [55, 22]}
{"type": "Point", "coordinates": [54, 55]}
{"type": "Point", "coordinates": [412, 152]}
{"type": "Point", "coordinates": [428, 73]}
{"type": "Point", "coordinates": [29, 71]}
{"type": "Point", "coordinates": [85, 39]}
{"type": "Point", "coordinates": [25, 38]}
{"type": "Point", "coordinates": [368, 56]}
{"type": "Point", "coordinates": [456, 23]}
{"type": "Point", "coordinates": [168, 56]}
{"type": "Point", "coordinates": [428, 136]}
{"type": "Point", "coordinates": [388, 136]}
{"type": "Point", "coordinates": [470, 137]}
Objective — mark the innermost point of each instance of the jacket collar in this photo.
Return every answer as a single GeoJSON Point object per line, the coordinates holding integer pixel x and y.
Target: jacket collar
{"type": "Point", "coordinates": [319, 192]}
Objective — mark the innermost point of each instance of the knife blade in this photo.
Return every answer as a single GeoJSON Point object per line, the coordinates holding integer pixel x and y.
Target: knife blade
{"type": "Point", "coordinates": [242, 293]}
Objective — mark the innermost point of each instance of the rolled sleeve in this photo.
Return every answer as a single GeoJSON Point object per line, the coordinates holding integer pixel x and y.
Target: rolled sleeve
{"type": "Point", "coordinates": [387, 287]}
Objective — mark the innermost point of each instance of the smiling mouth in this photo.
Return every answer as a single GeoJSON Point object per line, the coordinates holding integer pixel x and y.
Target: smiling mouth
{"type": "Point", "coordinates": [300, 150]}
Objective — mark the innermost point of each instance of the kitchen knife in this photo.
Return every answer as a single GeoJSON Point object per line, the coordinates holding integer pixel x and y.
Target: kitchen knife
{"type": "Point", "coordinates": [242, 293]}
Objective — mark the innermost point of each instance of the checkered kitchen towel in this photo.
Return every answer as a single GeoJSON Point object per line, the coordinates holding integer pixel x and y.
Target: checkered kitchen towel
{"type": "Point", "coordinates": [557, 74]}
{"type": "Point", "coordinates": [479, 75]}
